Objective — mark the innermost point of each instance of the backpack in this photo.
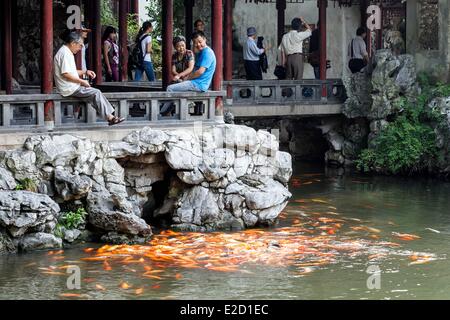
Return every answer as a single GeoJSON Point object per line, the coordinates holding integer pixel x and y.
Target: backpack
{"type": "Point", "coordinates": [136, 58]}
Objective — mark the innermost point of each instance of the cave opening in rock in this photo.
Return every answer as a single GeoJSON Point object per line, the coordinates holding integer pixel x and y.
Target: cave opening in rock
{"type": "Point", "coordinates": [156, 211]}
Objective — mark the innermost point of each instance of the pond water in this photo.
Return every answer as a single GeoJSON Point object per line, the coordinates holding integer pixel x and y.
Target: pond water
{"type": "Point", "coordinates": [334, 234]}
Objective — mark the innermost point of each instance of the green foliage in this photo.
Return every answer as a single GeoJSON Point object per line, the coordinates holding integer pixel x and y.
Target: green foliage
{"type": "Point", "coordinates": [154, 11]}
{"type": "Point", "coordinates": [408, 144]}
{"type": "Point", "coordinates": [27, 184]}
{"type": "Point", "coordinates": [72, 220]}
{"type": "Point", "coordinates": [108, 16]}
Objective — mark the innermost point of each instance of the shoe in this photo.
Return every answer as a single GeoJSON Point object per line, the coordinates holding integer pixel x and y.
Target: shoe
{"type": "Point", "coordinates": [115, 120]}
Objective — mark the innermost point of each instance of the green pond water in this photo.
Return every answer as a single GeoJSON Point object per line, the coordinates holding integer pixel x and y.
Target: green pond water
{"type": "Point", "coordinates": [382, 204]}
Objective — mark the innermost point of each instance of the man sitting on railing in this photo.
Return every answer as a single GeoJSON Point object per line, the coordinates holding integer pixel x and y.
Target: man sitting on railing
{"type": "Point", "coordinates": [68, 79]}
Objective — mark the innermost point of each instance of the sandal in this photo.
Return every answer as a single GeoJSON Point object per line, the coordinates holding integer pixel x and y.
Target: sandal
{"type": "Point", "coordinates": [115, 120]}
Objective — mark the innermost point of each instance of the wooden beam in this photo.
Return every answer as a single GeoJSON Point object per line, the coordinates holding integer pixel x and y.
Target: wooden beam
{"type": "Point", "coordinates": [123, 38]}
{"type": "Point", "coordinates": [217, 46]}
{"type": "Point", "coordinates": [167, 47]}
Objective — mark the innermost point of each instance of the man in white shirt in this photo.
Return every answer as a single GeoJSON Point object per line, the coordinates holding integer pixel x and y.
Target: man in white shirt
{"type": "Point", "coordinates": [292, 46]}
{"type": "Point", "coordinates": [68, 79]}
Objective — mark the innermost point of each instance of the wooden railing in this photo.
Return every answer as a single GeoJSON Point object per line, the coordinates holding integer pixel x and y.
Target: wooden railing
{"type": "Point", "coordinates": [285, 92]}
{"type": "Point", "coordinates": [26, 111]}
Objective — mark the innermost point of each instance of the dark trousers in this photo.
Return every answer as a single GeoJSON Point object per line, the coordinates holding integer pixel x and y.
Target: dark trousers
{"type": "Point", "coordinates": [253, 70]}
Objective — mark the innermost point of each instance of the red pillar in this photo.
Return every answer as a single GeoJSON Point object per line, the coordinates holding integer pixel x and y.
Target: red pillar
{"type": "Point", "coordinates": [188, 21]}
{"type": "Point", "coordinates": [87, 4]}
{"type": "Point", "coordinates": [123, 38]}
{"type": "Point", "coordinates": [7, 46]}
{"type": "Point", "coordinates": [281, 7]}
{"type": "Point", "coordinates": [228, 45]}
{"type": "Point", "coordinates": [78, 56]}
{"type": "Point", "coordinates": [167, 47]}
{"type": "Point", "coordinates": [217, 37]}
{"type": "Point", "coordinates": [134, 9]}
{"type": "Point", "coordinates": [323, 43]}
{"type": "Point", "coordinates": [47, 56]}
{"type": "Point", "coordinates": [97, 41]}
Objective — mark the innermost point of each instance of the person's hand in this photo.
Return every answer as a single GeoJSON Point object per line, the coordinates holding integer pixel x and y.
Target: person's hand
{"type": "Point", "coordinates": [110, 71]}
{"type": "Point", "coordinates": [177, 77]}
{"type": "Point", "coordinates": [84, 83]}
{"type": "Point", "coordinates": [92, 74]}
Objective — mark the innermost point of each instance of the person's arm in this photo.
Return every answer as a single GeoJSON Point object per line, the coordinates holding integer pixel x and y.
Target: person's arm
{"type": "Point", "coordinates": [174, 71]}
{"type": "Point", "coordinates": [76, 80]}
{"type": "Point", "coordinates": [305, 24]}
{"type": "Point", "coordinates": [186, 72]}
{"type": "Point", "coordinates": [149, 47]}
{"type": "Point", "coordinates": [197, 73]}
{"type": "Point", "coordinates": [106, 48]}
{"type": "Point", "coordinates": [255, 50]}
{"type": "Point", "coordinates": [364, 52]}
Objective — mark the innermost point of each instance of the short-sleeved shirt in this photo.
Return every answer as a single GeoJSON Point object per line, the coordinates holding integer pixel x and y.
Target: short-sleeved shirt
{"type": "Point", "coordinates": [206, 59]}
{"type": "Point", "coordinates": [144, 43]}
{"type": "Point", "coordinates": [183, 63]}
{"type": "Point", "coordinates": [292, 41]}
{"type": "Point", "coordinates": [64, 62]}
{"type": "Point", "coordinates": [359, 48]}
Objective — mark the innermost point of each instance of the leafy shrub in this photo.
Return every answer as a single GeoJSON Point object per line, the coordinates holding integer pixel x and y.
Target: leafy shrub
{"type": "Point", "coordinates": [27, 184]}
{"type": "Point", "coordinates": [408, 144]}
{"type": "Point", "coordinates": [72, 220]}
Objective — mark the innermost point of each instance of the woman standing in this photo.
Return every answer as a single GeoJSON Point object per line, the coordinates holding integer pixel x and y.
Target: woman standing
{"type": "Point", "coordinates": [144, 39]}
{"type": "Point", "coordinates": [111, 54]}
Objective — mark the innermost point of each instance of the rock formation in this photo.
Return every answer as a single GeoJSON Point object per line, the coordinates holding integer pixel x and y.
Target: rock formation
{"type": "Point", "coordinates": [224, 177]}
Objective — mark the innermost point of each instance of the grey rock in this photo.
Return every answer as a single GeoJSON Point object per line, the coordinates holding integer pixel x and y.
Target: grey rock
{"type": "Point", "coordinates": [24, 210]}
{"type": "Point", "coordinates": [7, 181]}
{"type": "Point", "coordinates": [122, 149]}
{"type": "Point", "coordinates": [198, 205]}
{"type": "Point", "coordinates": [216, 163]}
{"type": "Point", "coordinates": [71, 186]}
{"type": "Point", "coordinates": [39, 240]}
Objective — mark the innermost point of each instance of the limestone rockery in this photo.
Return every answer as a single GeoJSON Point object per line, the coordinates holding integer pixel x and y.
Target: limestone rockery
{"type": "Point", "coordinates": [225, 177]}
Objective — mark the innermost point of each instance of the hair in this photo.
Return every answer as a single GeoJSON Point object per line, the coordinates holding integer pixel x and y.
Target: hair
{"type": "Point", "coordinates": [178, 39]}
{"type": "Point", "coordinates": [69, 36]}
{"type": "Point", "coordinates": [197, 21]}
{"type": "Point", "coordinates": [296, 24]}
{"type": "Point", "coordinates": [108, 31]}
{"type": "Point", "coordinates": [145, 26]}
{"type": "Point", "coordinates": [360, 31]}
{"type": "Point", "coordinates": [197, 34]}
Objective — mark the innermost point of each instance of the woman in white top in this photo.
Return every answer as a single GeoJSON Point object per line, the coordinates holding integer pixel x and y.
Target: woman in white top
{"type": "Point", "coordinates": [145, 39]}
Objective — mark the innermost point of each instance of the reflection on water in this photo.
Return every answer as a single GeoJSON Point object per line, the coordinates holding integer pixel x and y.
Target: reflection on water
{"type": "Point", "coordinates": [333, 229]}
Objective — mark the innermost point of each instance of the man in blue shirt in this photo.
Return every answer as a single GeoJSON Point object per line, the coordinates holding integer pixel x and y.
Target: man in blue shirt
{"type": "Point", "coordinates": [205, 66]}
{"type": "Point", "coordinates": [251, 56]}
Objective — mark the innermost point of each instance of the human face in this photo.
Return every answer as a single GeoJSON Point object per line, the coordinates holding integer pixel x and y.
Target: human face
{"type": "Point", "coordinates": [199, 43]}
{"type": "Point", "coordinates": [180, 47]}
{"type": "Point", "coordinates": [200, 26]}
{"type": "Point", "coordinates": [76, 46]}
{"type": "Point", "coordinates": [113, 36]}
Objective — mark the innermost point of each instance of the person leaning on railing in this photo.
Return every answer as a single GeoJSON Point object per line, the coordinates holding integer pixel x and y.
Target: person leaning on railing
{"type": "Point", "coordinates": [68, 79]}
